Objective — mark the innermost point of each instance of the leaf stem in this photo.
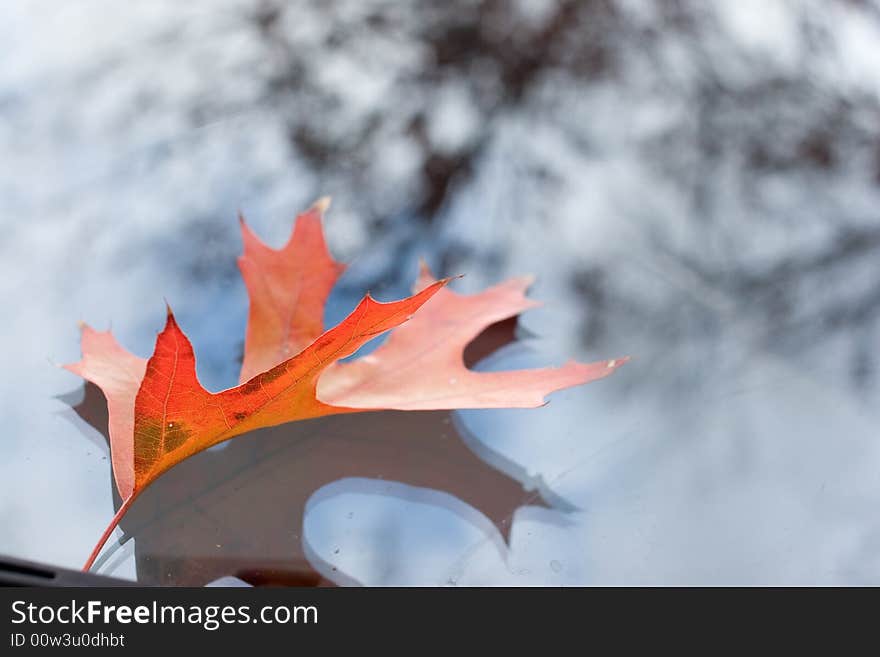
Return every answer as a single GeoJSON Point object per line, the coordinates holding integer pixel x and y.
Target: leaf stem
{"type": "Point", "coordinates": [107, 532]}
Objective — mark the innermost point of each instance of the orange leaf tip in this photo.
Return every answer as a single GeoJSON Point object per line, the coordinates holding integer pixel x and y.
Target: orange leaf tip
{"type": "Point", "coordinates": [322, 204]}
{"type": "Point", "coordinates": [614, 363]}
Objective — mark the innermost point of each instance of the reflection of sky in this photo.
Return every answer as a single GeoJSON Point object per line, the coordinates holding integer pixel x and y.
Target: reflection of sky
{"type": "Point", "coordinates": [706, 460]}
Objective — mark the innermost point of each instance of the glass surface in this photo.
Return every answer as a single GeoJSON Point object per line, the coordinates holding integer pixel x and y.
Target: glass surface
{"type": "Point", "coordinates": [695, 184]}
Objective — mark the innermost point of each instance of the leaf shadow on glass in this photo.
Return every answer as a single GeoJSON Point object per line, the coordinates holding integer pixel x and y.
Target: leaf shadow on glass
{"type": "Point", "coordinates": [238, 510]}
{"type": "Point", "coordinates": [382, 533]}
{"type": "Point", "coordinates": [361, 487]}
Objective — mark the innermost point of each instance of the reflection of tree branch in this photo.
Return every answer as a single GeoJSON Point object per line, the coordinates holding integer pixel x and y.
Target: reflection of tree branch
{"type": "Point", "coordinates": [768, 298]}
{"type": "Point", "coordinates": [841, 315]}
{"type": "Point", "coordinates": [765, 303]}
{"type": "Point", "coordinates": [497, 55]}
{"type": "Point", "coordinates": [849, 244]}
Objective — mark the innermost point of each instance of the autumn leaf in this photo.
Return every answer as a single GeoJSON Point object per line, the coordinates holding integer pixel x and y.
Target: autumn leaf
{"type": "Point", "coordinates": [421, 365]}
{"type": "Point", "coordinates": [159, 413]}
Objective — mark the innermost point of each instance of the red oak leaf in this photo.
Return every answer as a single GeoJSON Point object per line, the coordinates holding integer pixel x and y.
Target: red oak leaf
{"type": "Point", "coordinates": [159, 413]}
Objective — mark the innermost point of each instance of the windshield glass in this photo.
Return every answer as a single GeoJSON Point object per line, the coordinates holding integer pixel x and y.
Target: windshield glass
{"type": "Point", "coordinates": [695, 185]}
